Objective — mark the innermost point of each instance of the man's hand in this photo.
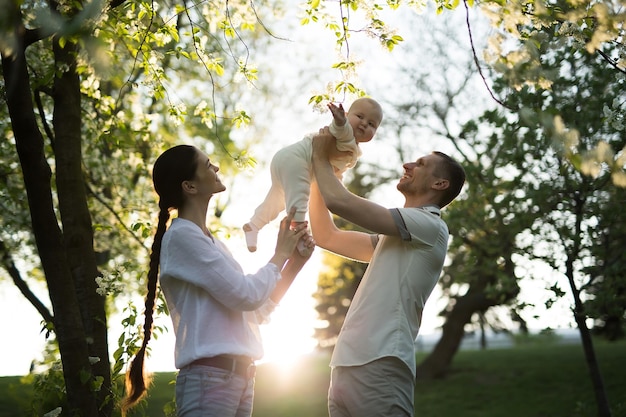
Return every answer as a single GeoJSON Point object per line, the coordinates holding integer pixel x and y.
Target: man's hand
{"type": "Point", "coordinates": [324, 146]}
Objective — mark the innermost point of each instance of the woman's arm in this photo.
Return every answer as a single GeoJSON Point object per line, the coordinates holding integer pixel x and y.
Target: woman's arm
{"type": "Point", "coordinates": [293, 266]}
{"type": "Point", "coordinates": [287, 239]}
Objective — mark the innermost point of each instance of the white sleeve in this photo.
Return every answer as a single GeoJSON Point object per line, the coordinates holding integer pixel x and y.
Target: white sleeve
{"type": "Point", "coordinates": [344, 136]}
{"type": "Point", "coordinates": [192, 257]}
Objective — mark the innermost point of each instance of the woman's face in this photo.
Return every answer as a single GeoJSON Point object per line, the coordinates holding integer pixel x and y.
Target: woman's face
{"type": "Point", "coordinates": [206, 179]}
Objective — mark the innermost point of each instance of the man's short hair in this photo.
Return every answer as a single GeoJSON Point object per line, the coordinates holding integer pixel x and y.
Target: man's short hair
{"type": "Point", "coordinates": [451, 170]}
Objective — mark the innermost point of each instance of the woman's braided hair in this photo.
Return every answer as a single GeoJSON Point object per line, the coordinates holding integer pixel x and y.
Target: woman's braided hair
{"type": "Point", "coordinates": [171, 168]}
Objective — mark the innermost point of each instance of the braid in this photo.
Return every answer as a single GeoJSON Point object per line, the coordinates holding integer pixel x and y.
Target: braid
{"type": "Point", "coordinates": [136, 383]}
{"type": "Point", "coordinates": [171, 168]}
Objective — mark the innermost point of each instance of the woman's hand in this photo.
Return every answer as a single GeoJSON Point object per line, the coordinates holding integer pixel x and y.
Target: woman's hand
{"type": "Point", "coordinates": [288, 237]}
{"type": "Point", "coordinates": [297, 259]}
{"type": "Point", "coordinates": [305, 249]}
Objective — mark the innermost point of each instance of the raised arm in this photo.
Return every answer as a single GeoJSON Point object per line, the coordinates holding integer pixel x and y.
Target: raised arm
{"type": "Point", "coordinates": [347, 243]}
{"type": "Point", "coordinates": [342, 202]}
{"type": "Point", "coordinates": [339, 114]}
{"type": "Point", "coordinates": [293, 266]}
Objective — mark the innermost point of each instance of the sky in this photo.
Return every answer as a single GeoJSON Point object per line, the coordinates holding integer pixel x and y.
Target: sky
{"type": "Point", "coordinates": [290, 332]}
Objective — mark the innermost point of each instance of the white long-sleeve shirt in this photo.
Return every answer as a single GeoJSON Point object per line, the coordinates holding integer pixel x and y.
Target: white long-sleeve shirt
{"type": "Point", "coordinates": [215, 308]}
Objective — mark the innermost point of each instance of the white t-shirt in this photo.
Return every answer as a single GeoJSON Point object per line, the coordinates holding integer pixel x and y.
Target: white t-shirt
{"type": "Point", "coordinates": [215, 308]}
{"type": "Point", "coordinates": [386, 311]}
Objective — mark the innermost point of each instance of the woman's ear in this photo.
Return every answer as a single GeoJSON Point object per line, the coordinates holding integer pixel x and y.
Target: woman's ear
{"type": "Point", "coordinates": [188, 187]}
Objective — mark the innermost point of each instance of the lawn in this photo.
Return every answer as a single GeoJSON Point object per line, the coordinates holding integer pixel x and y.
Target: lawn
{"type": "Point", "coordinates": [533, 380]}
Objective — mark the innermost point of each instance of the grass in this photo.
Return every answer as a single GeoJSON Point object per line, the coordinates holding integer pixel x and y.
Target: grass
{"type": "Point", "coordinates": [530, 380]}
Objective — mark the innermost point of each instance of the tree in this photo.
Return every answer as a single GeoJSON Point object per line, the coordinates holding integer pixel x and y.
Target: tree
{"type": "Point", "coordinates": [84, 144]}
{"type": "Point", "coordinates": [570, 229]}
{"type": "Point", "coordinates": [588, 27]}
{"type": "Point", "coordinates": [66, 268]}
{"type": "Point", "coordinates": [560, 206]}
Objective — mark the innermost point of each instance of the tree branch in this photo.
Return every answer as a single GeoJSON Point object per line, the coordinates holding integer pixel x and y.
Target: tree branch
{"type": "Point", "coordinates": [116, 3]}
{"type": "Point", "coordinates": [9, 266]}
{"type": "Point", "coordinates": [117, 217]}
{"type": "Point", "coordinates": [611, 61]}
{"type": "Point", "coordinates": [480, 71]}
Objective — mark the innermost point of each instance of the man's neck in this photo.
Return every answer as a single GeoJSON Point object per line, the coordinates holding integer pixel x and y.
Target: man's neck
{"type": "Point", "coordinates": [420, 201]}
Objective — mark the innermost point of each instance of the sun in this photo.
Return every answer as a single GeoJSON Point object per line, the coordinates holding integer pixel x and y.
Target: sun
{"type": "Point", "coordinates": [290, 333]}
{"type": "Point", "coordinates": [287, 339]}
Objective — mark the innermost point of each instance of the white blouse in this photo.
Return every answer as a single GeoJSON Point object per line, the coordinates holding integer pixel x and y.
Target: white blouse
{"type": "Point", "coordinates": [215, 308]}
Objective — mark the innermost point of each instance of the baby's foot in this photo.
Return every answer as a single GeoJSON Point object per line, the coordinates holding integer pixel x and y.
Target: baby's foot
{"type": "Point", "coordinates": [251, 233]}
{"type": "Point", "coordinates": [301, 246]}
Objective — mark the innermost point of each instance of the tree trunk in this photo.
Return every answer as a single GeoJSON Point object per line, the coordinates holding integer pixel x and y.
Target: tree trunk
{"type": "Point", "coordinates": [483, 334]}
{"type": "Point", "coordinates": [75, 216]}
{"type": "Point", "coordinates": [48, 236]}
{"type": "Point", "coordinates": [604, 410]}
{"type": "Point", "coordinates": [602, 401]}
{"type": "Point", "coordinates": [437, 364]}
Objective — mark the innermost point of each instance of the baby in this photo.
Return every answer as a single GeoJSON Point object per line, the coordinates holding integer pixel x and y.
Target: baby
{"type": "Point", "coordinates": [291, 170]}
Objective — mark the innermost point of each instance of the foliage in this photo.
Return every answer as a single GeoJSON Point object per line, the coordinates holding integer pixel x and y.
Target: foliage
{"type": "Point", "coordinates": [346, 19]}
{"type": "Point", "coordinates": [558, 205]}
{"type": "Point", "coordinates": [528, 33]}
{"type": "Point", "coordinates": [138, 69]}
{"type": "Point", "coordinates": [573, 204]}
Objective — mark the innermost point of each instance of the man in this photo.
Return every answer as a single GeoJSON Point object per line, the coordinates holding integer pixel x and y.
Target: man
{"type": "Point", "coordinates": [373, 364]}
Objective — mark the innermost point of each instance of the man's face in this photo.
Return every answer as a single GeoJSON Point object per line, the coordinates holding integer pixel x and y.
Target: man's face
{"type": "Point", "coordinates": [418, 176]}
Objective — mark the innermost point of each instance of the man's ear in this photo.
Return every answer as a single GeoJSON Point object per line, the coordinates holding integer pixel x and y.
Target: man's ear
{"type": "Point", "coordinates": [441, 184]}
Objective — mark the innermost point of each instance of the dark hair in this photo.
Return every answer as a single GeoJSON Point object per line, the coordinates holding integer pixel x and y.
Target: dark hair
{"type": "Point", "coordinates": [171, 168]}
{"type": "Point", "coordinates": [451, 170]}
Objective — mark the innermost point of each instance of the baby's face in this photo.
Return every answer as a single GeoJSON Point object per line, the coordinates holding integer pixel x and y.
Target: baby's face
{"type": "Point", "coordinates": [364, 117]}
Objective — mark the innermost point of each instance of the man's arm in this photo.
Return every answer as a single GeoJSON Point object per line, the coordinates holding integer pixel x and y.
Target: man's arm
{"type": "Point", "coordinates": [342, 202]}
{"type": "Point", "coordinates": [347, 243]}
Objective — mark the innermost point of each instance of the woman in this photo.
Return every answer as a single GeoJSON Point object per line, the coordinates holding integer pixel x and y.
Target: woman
{"type": "Point", "coordinates": [215, 308]}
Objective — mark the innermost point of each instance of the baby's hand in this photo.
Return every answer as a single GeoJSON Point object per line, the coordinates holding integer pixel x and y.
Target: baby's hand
{"type": "Point", "coordinates": [339, 115]}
